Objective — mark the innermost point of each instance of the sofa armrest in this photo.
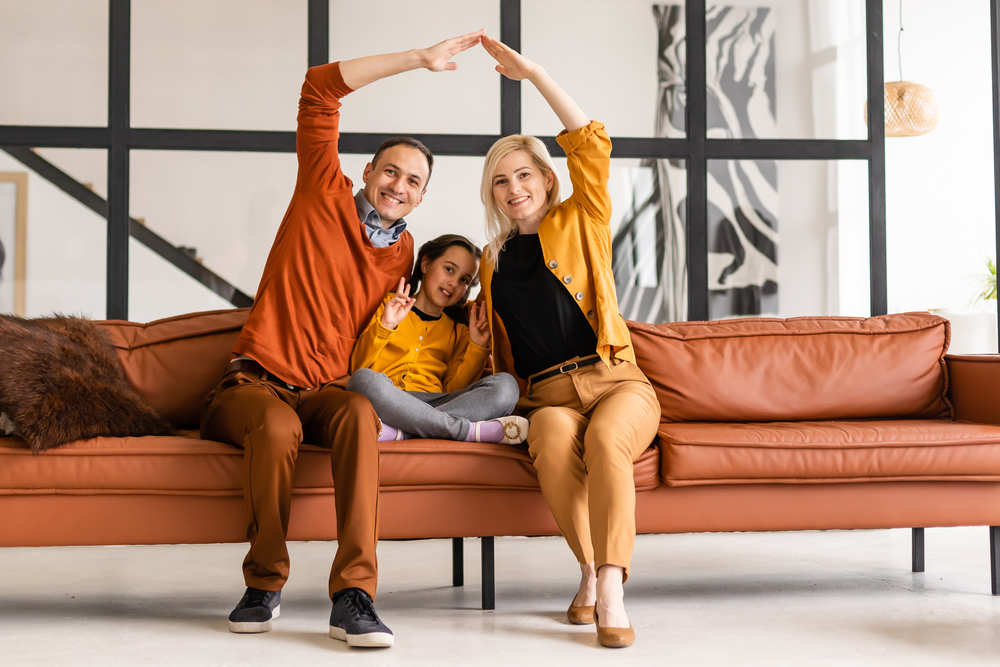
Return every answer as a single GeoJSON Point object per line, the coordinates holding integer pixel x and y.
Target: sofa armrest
{"type": "Point", "coordinates": [974, 387]}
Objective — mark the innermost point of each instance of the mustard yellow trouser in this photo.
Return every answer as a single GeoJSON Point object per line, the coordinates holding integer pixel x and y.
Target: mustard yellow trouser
{"type": "Point", "coordinates": [586, 428]}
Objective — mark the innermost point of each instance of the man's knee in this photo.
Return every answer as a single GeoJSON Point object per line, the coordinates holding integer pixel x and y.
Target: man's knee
{"type": "Point", "coordinates": [275, 432]}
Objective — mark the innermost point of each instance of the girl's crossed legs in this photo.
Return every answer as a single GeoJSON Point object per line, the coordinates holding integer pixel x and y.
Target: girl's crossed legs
{"type": "Point", "coordinates": [448, 416]}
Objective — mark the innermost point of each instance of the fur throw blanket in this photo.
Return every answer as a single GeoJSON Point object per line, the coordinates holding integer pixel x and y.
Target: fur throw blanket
{"type": "Point", "coordinates": [61, 380]}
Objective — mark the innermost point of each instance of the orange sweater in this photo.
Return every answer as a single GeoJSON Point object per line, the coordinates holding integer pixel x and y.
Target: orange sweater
{"type": "Point", "coordinates": [435, 356]}
{"type": "Point", "coordinates": [323, 278]}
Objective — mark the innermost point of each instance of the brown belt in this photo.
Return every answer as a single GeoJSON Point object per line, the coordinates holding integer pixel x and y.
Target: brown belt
{"type": "Point", "coordinates": [252, 367]}
{"type": "Point", "coordinates": [565, 368]}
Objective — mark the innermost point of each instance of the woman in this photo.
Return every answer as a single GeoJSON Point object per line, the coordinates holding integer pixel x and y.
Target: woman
{"type": "Point", "coordinates": [591, 410]}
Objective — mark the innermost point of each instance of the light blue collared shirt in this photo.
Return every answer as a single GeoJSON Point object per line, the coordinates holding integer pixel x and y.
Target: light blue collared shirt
{"type": "Point", "coordinates": [380, 238]}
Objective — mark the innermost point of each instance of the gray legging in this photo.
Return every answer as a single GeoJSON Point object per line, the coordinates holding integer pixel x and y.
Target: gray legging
{"type": "Point", "coordinates": [436, 415]}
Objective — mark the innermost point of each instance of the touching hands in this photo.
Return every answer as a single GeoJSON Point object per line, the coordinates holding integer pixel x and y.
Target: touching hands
{"type": "Point", "coordinates": [512, 64]}
{"type": "Point", "coordinates": [479, 325]}
{"type": "Point", "coordinates": [437, 58]}
{"type": "Point", "coordinates": [398, 306]}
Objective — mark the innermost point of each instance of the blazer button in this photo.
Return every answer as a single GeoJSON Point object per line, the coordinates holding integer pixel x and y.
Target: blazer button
{"type": "Point", "coordinates": [579, 296]}
{"type": "Point", "coordinates": [553, 264]}
{"type": "Point", "coordinates": [567, 279]}
{"type": "Point", "coordinates": [591, 315]}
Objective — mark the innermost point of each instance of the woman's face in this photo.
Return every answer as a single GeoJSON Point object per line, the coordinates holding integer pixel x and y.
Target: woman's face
{"type": "Point", "coordinates": [447, 278]}
{"type": "Point", "coordinates": [520, 188]}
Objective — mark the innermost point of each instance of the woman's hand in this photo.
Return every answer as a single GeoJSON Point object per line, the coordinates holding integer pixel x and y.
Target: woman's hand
{"type": "Point", "coordinates": [437, 58]}
{"type": "Point", "coordinates": [398, 306]}
{"type": "Point", "coordinates": [479, 326]}
{"type": "Point", "coordinates": [512, 64]}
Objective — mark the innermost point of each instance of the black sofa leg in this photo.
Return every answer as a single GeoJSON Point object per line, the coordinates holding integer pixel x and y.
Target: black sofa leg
{"type": "Point", "coordinates": [918, 549]}
{"type": "Point", "coordinates": [489, 574]}
{"type": "Point", "coordinates": [995, 558]}
{"type": "Point", "coordinates": [457, 561]}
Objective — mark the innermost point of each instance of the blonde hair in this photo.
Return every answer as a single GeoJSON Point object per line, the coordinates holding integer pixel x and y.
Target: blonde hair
{"type": "Point", "coordinates": [498, 225]}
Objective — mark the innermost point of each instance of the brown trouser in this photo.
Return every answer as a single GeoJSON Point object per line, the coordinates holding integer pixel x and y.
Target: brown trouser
{"type": "Point", "coordinates": [586, 428]}
{"type": "Point", "coordinates": [269, 422]}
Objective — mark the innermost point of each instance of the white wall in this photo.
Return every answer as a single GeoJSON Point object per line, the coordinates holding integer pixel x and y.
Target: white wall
{"type": "Point", "coordinates": [939, 187]}
{"type": "Point", "coordinates": [238, 64]}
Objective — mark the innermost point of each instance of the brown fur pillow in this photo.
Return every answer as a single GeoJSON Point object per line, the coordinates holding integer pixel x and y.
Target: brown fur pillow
{"type": "Point", "coordinates": [61, 380]}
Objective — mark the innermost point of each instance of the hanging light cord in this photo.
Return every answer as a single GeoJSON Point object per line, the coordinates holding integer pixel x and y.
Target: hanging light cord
{"type": "Point", "coordinates": [899, 41]}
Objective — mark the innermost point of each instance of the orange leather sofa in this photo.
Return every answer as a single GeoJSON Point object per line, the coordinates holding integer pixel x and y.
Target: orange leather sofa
{"type": "Point", "coordinates": [767, 424]}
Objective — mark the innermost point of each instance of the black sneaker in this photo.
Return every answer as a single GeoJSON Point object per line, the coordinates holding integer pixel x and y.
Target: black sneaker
{"type": "Point", "coordinates": [353, 620]}
{"type": "Point", "coordinates": [255, 611]}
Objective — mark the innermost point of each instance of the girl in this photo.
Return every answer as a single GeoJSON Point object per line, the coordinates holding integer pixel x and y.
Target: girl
{"type": "Point", "coordinates": [592, 411]}
{"type": "Point", "coordinates": [418, 363]}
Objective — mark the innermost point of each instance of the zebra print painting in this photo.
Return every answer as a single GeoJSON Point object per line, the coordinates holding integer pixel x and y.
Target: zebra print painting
{"type": "Point", "coordinates": [650, 245]}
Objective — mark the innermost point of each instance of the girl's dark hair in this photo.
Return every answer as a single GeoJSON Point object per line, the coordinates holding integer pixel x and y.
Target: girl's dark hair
{"type": "Point", "coordinates": [434, 249]}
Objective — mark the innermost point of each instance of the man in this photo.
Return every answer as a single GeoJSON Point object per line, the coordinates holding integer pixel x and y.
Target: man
{"type": "Point", "coordinates": [335, 256]}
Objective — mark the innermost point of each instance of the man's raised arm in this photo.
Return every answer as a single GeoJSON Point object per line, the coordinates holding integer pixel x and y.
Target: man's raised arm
{"type": "Point", "coordinates": [319, 106]}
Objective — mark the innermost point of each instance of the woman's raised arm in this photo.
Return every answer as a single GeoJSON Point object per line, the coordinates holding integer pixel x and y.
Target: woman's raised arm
{"type": "Point", "coordinates": [515, 66]}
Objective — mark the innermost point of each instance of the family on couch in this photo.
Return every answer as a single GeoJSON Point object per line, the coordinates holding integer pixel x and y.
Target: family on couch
{"type": "Point", "coordinates": [336, 352]}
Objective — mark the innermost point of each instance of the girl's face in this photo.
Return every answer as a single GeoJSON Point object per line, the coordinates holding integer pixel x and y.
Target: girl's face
{"type": "Point", "coordinates": [447, 278]}
{"type": "Point", "coordinates": [520, 188]}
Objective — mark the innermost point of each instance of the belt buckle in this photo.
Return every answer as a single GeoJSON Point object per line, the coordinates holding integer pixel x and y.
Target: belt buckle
{"type": "Point", "coordinates": [571, 366]}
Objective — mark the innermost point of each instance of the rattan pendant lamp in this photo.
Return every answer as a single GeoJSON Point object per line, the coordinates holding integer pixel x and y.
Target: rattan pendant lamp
{"type": "Point", "coordinates": [910, 108]}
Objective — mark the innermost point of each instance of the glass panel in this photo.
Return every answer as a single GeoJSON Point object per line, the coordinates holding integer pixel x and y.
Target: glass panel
{"type": "Point", "coordinates": [631, 83]}
{"type": "Point", "coordinates": [216, 65]}
{"type": "Point", "coordinates": [224, 207]}
{"type": "Point", "coordinates": [54, 248]}
{"type": "Point", "coordinates": [465, 101]}
{"type": "Point", "coordinates": [817, 265]}
{"type": "Point", "coordinates": [55, 55]}
{"type": "Point", "coordinates": [940, 204]}
{"type": "Point", "coordinates": [649, 213]}
{"type": "Point", "coordinates": [786, 69]}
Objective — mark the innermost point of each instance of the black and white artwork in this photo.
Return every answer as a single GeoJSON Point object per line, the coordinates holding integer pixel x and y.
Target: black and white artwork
{"type": "Point", "coordinates": [650, 245]}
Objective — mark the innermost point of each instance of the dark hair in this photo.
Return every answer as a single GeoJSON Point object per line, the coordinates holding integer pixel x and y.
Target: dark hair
{"type": "Point", "coordinates": [434, 249]}
{"type": "Point", "coordinates": [412, 143]}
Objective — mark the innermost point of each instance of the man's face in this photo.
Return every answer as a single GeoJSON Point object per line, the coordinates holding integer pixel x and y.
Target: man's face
{"type": "Point", "coordinates": [395, 186]}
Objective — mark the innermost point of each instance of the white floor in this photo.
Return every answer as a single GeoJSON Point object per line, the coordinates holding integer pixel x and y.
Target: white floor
{"type": "Point", "coordinates": [818, 598]}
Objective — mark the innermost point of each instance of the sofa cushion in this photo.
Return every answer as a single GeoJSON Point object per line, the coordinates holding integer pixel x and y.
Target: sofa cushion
{"type": "Point", "coordinates": [187, 465]}
{"type": "Point", "coordinates": [824, 452]}
{"type": "Point", "coordinates": [174, 363]}
{"type": "Point", "coordinates": [806, 368]}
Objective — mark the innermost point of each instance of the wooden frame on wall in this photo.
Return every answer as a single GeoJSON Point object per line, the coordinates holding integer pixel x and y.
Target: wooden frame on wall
{"type": "Point", "coordinates": [16, 246]}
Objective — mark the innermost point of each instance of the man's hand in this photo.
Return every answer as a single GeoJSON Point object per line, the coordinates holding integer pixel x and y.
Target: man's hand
{"type": "Point", "coordinates": [512, 64]}
{"type": "Point", "coordinates": [479, 326]}
{"type": "Point", "coordinates": [438, 57]}
{"type": "Point", "coordinates": [360, 72]}
{"type": "Point", "coordinates": [398, 306]}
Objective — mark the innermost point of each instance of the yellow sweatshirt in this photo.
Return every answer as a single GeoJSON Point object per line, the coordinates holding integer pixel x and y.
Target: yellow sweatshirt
{"type": "Point", "coordinates": [435, 356]}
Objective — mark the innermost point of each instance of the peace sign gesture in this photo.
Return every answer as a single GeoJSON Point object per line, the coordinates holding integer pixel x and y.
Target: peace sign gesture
{"type": "Point", "coordinates": [479, 326]}
{"type": "Point", "coordinates": [398, 306]}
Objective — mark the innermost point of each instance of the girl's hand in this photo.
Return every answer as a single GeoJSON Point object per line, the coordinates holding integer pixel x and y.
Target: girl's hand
{"type": "Point", "coordinates": [398, 306]}
{"type": "Point", "coordinates": [512, 64]}
{"type": "Point", "coordinates": [479, 326]}
{"type": "Point", "coordinates": [437, 58]}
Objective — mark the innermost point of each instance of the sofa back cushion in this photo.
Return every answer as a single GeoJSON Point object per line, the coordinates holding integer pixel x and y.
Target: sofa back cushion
{"type": "Point", "coordinates": [804, 368]}
{"type": "Point", "coordinates": [174, 363]}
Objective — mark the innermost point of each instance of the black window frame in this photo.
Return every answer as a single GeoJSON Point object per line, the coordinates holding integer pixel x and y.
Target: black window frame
{"type": "Point", "coordinates": [119, 138]}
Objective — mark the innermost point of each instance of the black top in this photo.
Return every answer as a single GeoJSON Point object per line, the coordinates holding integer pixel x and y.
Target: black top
{"type": "Point", "coordinates": [424, 316]}
{"type": "Point", "coordinates": [544, 324]}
